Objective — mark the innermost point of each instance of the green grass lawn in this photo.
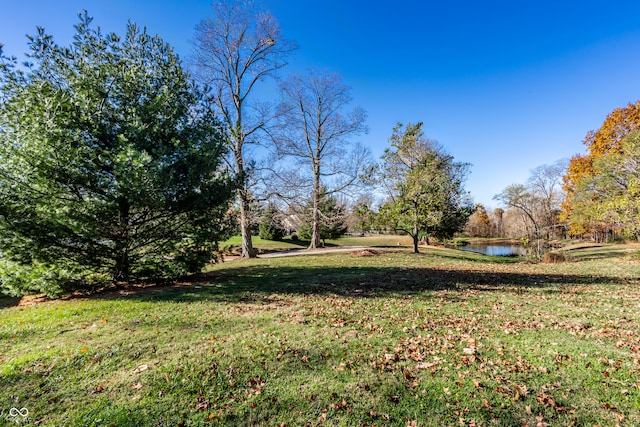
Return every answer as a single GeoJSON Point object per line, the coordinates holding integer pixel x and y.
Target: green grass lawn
{"type": "Point", "coordinates": [287, 243]}
{"type": "Point", "coordinates": [440, 338]}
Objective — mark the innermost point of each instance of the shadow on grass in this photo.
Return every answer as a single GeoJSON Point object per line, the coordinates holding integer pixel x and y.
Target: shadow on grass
{"type": "Point", "coordinates": [7, 301]}
{"type": "Point", "coordinates": [257, 284]}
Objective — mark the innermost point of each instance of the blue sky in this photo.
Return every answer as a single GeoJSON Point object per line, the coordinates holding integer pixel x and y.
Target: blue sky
{"type": "Point", "coordinates": [506, 86]}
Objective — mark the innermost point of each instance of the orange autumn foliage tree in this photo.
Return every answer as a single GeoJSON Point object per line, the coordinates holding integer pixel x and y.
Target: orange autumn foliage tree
{"type": "Point", "coordinates": [580, 166]}
{"type": "Point", "coordinates": [619, 123]}
{"type": "Point", "coordinates": [604, 142]}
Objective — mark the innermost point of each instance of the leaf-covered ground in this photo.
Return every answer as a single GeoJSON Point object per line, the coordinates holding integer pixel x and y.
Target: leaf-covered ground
{"type": "Point", "coordinates": [441, 338]}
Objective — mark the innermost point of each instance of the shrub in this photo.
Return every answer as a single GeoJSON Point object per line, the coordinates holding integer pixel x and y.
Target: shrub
{"type": "Point", "coordinates": [271, 227]}
{"type": "Point", "coordinates": [554, 257]}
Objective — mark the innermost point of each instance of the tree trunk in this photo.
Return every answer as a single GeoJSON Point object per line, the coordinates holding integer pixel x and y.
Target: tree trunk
{"type": "Point", "coordinates": [243, 196]}
{"type": "Point", "coordinates": [245, 226]}
{"type": "Point", "coordinates": [122, 271]}
{"type": "Point", "coordinates": [315, 226]}
{"type": "Point", "coordinates": [415, 244]}
{"type": "Point", "coordinates": [415, 228]}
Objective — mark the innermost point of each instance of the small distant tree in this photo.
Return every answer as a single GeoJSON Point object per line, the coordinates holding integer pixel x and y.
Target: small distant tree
{"type": "Point", "coordinates": [518, 196]}
{"type": "Point", "coordinates": [538, 202]}
{"type": "Point", "coordinates": [479, 224]}
{"type": "Point", "coordinates": [332, 222]}
{"type": "Point", "coordinates": [271, 226]}
{"type": "Point", "coordinates": [497, 220]}
{"type": "Point", "coordinates": [362, 216]}
{"type": "Point", "coordinates": [425, 185]}
{"type": "Point", "coordinates": [110, 165]}
{"type": "Point", "coordinates": [546, 183]}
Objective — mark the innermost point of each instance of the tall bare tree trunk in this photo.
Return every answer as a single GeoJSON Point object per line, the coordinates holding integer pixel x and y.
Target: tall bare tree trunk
{"type": "Point", "coordinates": [245, 203]}
{"type": "Point", "coordinates": [245, 226]}
{"type": "Point", "coordinates": [315, 233]}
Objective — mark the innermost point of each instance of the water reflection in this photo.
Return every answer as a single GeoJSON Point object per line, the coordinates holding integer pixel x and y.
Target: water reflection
{"type": "Point", "coordinates": [500, 249]}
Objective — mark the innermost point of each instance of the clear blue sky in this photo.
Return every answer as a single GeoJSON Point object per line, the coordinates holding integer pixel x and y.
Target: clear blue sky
{"type": "Point", "coordinates": [504, 85]}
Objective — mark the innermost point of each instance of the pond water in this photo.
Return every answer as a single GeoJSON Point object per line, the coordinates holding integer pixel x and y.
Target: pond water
{"type": "Point", "coordinates": [496, 249]}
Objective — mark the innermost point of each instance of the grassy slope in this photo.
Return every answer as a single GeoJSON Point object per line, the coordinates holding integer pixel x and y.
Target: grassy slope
{"type": "Point", "coordinates": [440, 338]}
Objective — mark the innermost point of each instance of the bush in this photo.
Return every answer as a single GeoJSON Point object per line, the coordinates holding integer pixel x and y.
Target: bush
{"type": "Point", "coordinates": [271, 227]}
{"type": "Point", "coordinates": [554, 257]}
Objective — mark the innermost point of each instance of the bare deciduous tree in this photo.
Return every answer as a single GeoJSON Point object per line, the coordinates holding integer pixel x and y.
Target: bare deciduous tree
{"type": "Point", "coordinates": [314, 131]}
{"type": "Point", "coordinates": [539, 201]}
{"type": "Point", "coordinates": [234, 50]}
{"type": "Point", "coordinates": [546, 182]}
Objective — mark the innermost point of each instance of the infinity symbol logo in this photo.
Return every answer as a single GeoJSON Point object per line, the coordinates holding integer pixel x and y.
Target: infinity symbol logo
{"type": "Point", "coordinates": [14, 412]}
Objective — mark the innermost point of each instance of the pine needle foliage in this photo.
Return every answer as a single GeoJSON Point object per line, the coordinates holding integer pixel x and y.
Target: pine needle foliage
{"type": "Point", "coordinates": [109, 164]}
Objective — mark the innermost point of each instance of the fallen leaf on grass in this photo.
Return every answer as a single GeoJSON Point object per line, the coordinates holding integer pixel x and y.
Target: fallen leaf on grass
{"type": "Point", "coordinates": [339, 405]}
{"type": "Point", "coordinates": [255, 386]}
{"type": "Point", "coordinates": [425, 365]}
{"type": "Point", "coordinates": [141, 368]}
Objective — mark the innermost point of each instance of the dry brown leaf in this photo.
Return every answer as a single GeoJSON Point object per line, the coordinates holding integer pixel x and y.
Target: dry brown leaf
{"type": "Point", "coordinates": [469, 350]}
{"type": "Point", "coordinates": [425, 365]}
{"type": "Point", "coordinates": [141, 368]}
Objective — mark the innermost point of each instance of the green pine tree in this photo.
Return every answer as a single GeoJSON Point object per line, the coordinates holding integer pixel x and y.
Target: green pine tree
{"type": "Point", "coordinates": [332, 219]}
{"type": "Point", "coordinates": [271, 226]}
{"type": "Point", "coordinates": [109, 165]}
